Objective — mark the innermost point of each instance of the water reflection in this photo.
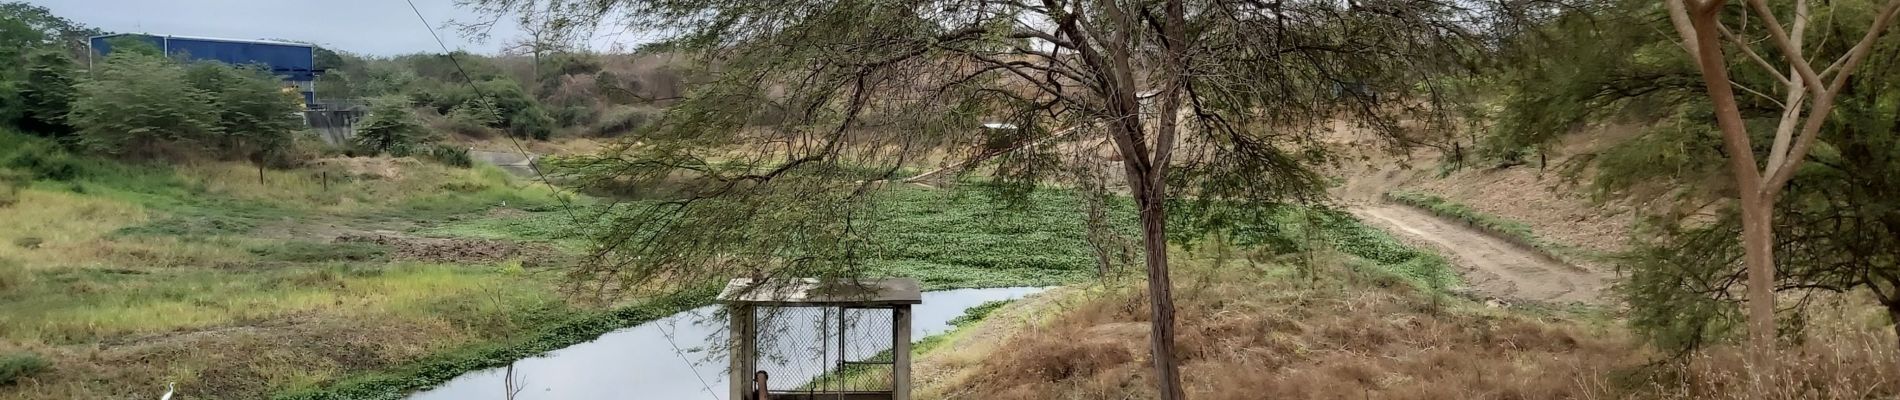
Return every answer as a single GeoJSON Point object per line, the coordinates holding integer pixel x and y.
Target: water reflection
{"type": "Point", "coordinates": [640, 363]}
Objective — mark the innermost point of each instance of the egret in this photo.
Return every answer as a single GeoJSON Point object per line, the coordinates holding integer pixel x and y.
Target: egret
{"type": "Point", "coordinates": [168, 391]}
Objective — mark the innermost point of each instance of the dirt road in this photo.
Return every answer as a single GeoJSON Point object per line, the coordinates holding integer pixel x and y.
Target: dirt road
{"type": "Point", "coordinates": [1492, 266]}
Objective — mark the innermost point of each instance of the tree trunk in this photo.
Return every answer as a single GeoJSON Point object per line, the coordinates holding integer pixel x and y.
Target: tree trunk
{"type": "Point", "coordinates": [1757, 205]}
{"type": "Point", "coordinates": [1150, 196]}
{"type": "Point", "coordinates": [1893, 313]}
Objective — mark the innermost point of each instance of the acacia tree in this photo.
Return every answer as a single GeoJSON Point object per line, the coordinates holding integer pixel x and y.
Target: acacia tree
{"type": "Point", "coordinates": [1808, 92]}
{"type": "Point", "coordinates": [814, 103]}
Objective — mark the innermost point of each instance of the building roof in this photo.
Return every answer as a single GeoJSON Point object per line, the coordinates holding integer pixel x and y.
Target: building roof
{"type": "Point", "coordinates": [208, 39]}
{"type": "Point", "coordinates": [816, 292]}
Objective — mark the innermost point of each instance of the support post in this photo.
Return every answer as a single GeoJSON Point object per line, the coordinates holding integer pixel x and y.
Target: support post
{"type": "Point", "coordinates": [744, 344]}
{"type": "Point", "coordinates": [900, 353]}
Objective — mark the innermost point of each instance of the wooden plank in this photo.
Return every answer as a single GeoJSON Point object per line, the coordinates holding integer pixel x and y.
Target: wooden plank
{"type": "Point", "coordinates": [743, 342]}
{"type": "Point", "coordinates": [900, 354]}
{"type": "Point", "coordinates": [815, 292]}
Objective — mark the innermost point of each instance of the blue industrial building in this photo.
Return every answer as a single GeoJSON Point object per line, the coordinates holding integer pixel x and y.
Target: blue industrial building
{"type": "Point", "coordinates": [294, 62]}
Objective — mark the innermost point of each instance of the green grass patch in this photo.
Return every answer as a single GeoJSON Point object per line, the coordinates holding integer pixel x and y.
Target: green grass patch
{"type": "Point", "coordinates": [14, 366]}
{"type": "Point", "coordinates": [970, 316]}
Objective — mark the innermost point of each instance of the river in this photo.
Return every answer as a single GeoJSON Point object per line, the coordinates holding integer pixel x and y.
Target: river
{"type": "Point", "coordinates": [641, 363]}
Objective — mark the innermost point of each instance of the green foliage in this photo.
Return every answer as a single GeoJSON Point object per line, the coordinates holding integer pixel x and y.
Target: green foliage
{"type": "Point", "coordinates": [476, 112]}
{"type": "Point", "coordinates": [450, 155]}
{"type": "Point", "coordinates": [623, 120]}
{"type": "Point", "coordinates": [1678, 289]}
{"type": "Point", "coordinates": [1587, 64]}
{"type": "Point", "coordinates": [390, 127]}
{"type": "Point", "coordinates": [970, 238]}
{"type": "Point", "coordinates": [51, 29]}
{"type": "Point", "coordinates": [14, 366]}
{"type": "Point", "coordinates": [977, 313]}
{"type": "Point", "coordinates": [255, 115]}
{"type": "Point", "coordinates": [47, 93]}
{"type": "Point", "coordinates": [40, 160]}
{"type": "Point", "coordinates": [141, 105]}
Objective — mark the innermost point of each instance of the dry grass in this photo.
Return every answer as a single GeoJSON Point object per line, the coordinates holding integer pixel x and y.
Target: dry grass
{"type": "Point", "coordinates": [48, 228]}
{"type": "Point", "coordinates": [1246, 335]}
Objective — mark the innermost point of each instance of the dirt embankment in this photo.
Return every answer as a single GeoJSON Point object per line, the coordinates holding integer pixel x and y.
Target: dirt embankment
{"type": "Point", "coordinates": [1491, 265]}
{"type": "Point", "coordinates": [447, 250]}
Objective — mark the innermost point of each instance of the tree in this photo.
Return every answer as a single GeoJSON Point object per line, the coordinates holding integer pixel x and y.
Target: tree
{"type": "Point", "coordinates": [53, 30]}
{"type": "Point", "coordinates": [47, 93]}
{"type": "Point", "coordinates": [256, 116]}
{"type": "Point", "coordinates": [141, 105]}
{"type": "Point", "coordinates": [389, 128]}
{"type": "Point", "coordinates": [1757, 184]}
{"type": "Point", "coordinates": [1205, 102]}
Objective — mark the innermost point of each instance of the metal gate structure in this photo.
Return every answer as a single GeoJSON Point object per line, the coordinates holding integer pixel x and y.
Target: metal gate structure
{"type": "Point", "coordinates": [817, 341]}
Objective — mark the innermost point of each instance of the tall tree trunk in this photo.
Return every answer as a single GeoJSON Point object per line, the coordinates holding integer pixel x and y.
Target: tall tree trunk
{"type": "Point", "coordinates": [1757, 205]}
{"type": "Point", "coordinates": [1154, 238]}
{"type": "Point", "coordinates": [1758, 254]}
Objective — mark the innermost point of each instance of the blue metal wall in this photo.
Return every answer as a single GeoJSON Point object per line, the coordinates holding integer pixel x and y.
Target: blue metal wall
{"type": "Point", "coordinates": [293, 62]}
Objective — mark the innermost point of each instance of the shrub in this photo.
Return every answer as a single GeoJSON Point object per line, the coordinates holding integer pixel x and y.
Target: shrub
{"type": "Point", "coordinates": [576, 115]}
{"type": "Point", "coordinates": [622, 120]}
{"type": "Point", "coordinates": [20, 365]}
{"type": "Point", "coordinates": [389, 128]}
{"type": "Point", "coordinates": [47, 94]}
{"type": "Point", "coordinates": [140, 105]}
{"type": "Point", "coordinates": [454, 156]}
{"type": "Point", "coordinates": [255, 116]}
{"type": "Point", "coordinates": [474, 116]}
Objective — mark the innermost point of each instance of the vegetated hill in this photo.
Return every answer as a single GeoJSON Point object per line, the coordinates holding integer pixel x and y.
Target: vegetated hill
{"type": "Point", "coordinates": [1550, 196]}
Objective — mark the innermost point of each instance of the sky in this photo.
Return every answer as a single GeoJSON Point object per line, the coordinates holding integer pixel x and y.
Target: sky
{"type": "Point", "coordinates": [367, 27]}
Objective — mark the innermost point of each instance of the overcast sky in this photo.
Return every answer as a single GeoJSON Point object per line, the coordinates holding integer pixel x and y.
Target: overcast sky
{"type": "Point", "coordinates": [369, 27]}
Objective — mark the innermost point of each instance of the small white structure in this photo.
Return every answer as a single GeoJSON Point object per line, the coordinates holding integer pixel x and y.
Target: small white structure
{"type": "Point", "coordinates": [860, 351]}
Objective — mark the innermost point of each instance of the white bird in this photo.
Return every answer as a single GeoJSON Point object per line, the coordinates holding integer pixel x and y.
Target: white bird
{"type": "Point", "coordinates": [168, 391]}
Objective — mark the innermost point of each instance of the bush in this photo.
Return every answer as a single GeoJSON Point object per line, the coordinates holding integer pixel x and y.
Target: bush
{"type": "Point", "coordinates": [623, 120]}
{"type": "Point", "coordinates": [47, 94]}
{"type": "Point", "coordinates": [576, 115]}
{"type": "Point", "coordinates": [389, 128]}
{"type": "Point", "coordinates": [43, 162]}
{"type": "Point", "coordinates": [141, 105]}
{"type": "Point", "coordinates": [20, 365]}
{"type": "Point", "coordinates": [255, 116]}
{"type": "Point", "coordinates": [450, 155]}
{"type": "Point", "coordinates": [475, 112]}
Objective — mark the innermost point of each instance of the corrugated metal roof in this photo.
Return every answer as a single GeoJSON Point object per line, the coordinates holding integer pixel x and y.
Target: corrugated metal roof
{"type": "Point", "coordinates": [212, 39]}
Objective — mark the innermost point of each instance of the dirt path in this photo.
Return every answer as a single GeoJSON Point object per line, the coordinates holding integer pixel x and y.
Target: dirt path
{"type": "Point", "coordinates": [1492, 266]}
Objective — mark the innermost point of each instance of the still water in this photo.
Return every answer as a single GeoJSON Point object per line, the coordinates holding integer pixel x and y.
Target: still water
{"type": "Point", "coordinates": [640, 363]}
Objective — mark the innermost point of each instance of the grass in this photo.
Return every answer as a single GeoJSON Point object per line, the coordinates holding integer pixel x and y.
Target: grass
{"type": "Point", "coordinates": [15, 366]}
{"type": "Point", "coordinates": [127, 273]}
{"type": "Point", "coordinates": [1258, 329]}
